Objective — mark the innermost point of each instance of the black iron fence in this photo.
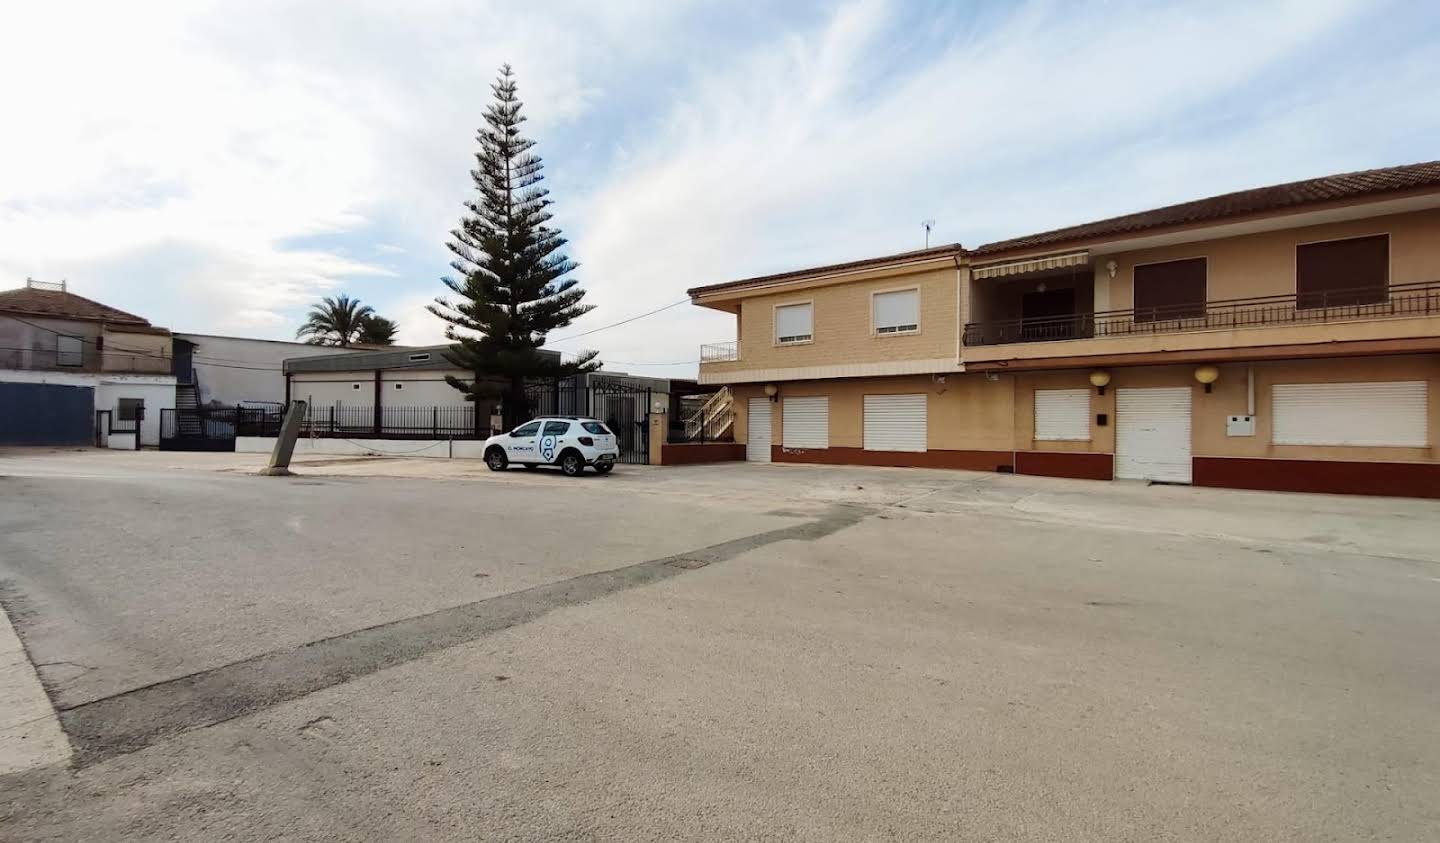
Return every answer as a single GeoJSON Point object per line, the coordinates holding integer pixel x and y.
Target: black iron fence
{"type": "Point", "coordinates": [624, 408]}
{"type": "Point", "coordinates": [349, 421]}
{"type": "Point", "coordinates": [1399, 300]}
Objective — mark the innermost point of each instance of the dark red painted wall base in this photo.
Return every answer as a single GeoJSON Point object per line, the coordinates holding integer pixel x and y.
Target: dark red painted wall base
{"type": "Point", "coordinates": [692, 453]}
{"type": "Point", "coordinates": [1053, 464]}
{"type": "Point", "coordinates": [969, 460]}
{"type": "Point", "coordinates": [1413, 480]}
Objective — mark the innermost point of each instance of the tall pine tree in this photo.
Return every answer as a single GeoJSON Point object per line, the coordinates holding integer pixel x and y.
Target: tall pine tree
{"type": "Point", "coordinates": [512, 290]}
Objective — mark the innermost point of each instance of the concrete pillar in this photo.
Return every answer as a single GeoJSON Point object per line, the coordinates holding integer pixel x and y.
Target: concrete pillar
{"type": "Point", "coordinates": [659, 432]}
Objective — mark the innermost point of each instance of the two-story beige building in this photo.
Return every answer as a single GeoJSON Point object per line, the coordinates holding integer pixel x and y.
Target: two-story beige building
{"type": "Point", "coordinates": [65, 358]}
{"type": "Point", "coordinates": [1286, 337]}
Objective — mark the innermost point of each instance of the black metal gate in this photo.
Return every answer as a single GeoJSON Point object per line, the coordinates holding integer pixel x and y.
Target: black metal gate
{"type": "Point", "coordinates": [623, 407]}
{"type": "Point", "coordinates": [198, 429]}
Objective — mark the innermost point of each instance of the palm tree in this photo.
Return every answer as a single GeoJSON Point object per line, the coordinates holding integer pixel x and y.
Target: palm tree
{"type": "Point", "coordinates": [335, 321]}
{"type": "Point", "coordinates": [376, 330]}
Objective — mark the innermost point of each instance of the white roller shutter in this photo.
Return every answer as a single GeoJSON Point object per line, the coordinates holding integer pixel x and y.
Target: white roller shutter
{"type": "Point", "coordinates": [895, 422]}
{"type": "Point", "coordinates": [805, 422]}
{"type": "Point", "coordinates": [1062, 415]}
{"type": "Point", "coordinates": [757, 437]}
{"type": "Point", "coordinates": [1381, 414]}
{"type": "Point", "coordinates": [1152, 434]}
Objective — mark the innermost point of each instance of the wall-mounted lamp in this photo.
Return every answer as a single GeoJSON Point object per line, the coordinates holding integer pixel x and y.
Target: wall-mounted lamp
{"type": "Point", "coordinates": [772, 392]}
{"type": "Point", "coordinates": [1112, 267]}
{"type": "Point", "coordinates": [1100, 379]}
{"type": "Point", "coordinates": [1207, 375]}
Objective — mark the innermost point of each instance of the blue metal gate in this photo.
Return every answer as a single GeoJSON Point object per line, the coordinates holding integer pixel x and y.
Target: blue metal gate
{"type": "Point", "coordinates": [46, 414]}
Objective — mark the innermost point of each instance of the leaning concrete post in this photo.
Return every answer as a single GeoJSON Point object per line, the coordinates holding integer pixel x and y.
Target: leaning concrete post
{"type": "Point", "coordinates": [285, 446]}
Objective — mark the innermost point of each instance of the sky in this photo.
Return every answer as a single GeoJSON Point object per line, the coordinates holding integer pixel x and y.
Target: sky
{"type": "Point", "coordinates": [219, 166]}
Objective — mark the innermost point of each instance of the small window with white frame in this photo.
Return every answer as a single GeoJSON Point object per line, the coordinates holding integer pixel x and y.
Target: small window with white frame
{"type": "Point", "coordinates": [794, 323]}
{"type": "Point", "coordinates": [895, 312]}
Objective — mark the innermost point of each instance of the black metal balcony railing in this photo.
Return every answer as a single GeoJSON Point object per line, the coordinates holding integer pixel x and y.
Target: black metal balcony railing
{"type": "Point", "coordinates": [1399, 300]}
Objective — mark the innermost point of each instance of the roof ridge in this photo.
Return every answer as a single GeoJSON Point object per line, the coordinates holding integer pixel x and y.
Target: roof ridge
{"type": "Point", "coordinates": [112, 314]}
{"type": "Point", "coordinates": [1312, 182]}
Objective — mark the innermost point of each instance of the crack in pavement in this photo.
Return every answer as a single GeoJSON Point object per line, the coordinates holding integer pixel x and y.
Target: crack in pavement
{"type": "Point", "coordinates": [132, 720]}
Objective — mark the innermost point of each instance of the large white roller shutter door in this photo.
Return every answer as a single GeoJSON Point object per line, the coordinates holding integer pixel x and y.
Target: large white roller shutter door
{"type": "Point", "coordinates": [895, 422]}
{"type": "Point", "coordinates": [757, 438]}
{"type": "Point", "coordinates": [805, 423]}
{"type": "Point", "coordinates": [1152, 434]}
{"type": "Point", "coordinates": [1382, 414]}
{"type": "Point", "coordinates": [1062, 415]}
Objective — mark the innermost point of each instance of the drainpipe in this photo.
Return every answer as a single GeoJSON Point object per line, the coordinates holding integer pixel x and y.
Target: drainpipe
{"type": "Point", "coordinates": [959, 311]}
{"type": "Point", "coordinates": [1250, 390]}
{"type": "Point", "coordinates": [377, 403]}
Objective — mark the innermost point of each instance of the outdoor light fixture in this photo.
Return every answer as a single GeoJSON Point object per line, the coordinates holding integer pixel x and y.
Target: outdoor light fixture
{"type": "Point", "coordinates": [1111, 267]}
{"type": "Point", "coordinates": [1207, 375]}
{"type": "Point", "coordinates": [772, 391]}
{"type": "Point", "coordinates": [1100, 379]}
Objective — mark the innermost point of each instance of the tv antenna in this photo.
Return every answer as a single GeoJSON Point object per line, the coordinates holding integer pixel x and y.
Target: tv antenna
{"type": "Point", "coordinates": [929, 224]}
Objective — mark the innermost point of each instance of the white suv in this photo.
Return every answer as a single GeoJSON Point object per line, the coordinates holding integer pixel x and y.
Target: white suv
{"type": "Point", "coordinates": [571, 442]}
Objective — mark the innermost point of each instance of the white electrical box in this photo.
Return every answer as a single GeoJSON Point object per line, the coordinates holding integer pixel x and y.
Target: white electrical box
{"type": "Point", "coordinates": [1240, 426]}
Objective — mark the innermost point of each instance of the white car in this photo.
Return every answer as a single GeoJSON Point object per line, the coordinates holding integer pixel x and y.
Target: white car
{"type": "Point", "coordinates": [571, 442]}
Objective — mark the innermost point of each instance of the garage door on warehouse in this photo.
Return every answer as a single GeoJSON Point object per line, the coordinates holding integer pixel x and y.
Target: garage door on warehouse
{"type": "Point", "coordinates": [1152, 434]}
{"type": "Point", "coordinates": [1381, 414]}
{"type": "Point", "coordinates": [757, 436]}
{"type": "Point", "coordinates": [895, 422]}
{"type": "Point", "coordinates": [805, 422]}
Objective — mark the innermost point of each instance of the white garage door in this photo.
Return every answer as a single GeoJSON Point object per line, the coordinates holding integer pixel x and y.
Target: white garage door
{"type": "Point", "coordinates": [1388, 414]}
{"type": "Point", "coordinates": [895, 423]}
{"type": "Point", "coordinates": [1062, 415]}
{"type": "Point", "coordinates": [1152, 434]}
{"type": "Point", "coordinates": [805, 423]}
{"type": "Point", "coordinates": [757, 437]}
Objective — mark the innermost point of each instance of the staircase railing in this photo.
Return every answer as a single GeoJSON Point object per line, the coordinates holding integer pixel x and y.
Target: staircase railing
{"type": "Point", "coordinates": [713, 418]}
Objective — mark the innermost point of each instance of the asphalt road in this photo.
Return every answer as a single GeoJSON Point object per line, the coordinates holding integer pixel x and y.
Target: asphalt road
{"type": "Point", "coordinates": [398, 650]}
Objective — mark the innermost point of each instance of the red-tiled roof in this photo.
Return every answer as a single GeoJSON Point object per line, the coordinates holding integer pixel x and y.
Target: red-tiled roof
{"type": "Point", "coordinates": [62, 305]}
{"type": "Point", "coordinates": [1362, 184]}
{"type": "Point", "coordinates": [900, 257]}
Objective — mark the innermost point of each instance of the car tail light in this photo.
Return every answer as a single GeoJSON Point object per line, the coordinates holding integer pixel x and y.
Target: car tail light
{"type": "Point", "coordinates": [587, 441]}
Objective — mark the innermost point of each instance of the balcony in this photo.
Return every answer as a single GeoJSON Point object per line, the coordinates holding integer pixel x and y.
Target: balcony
{"type": "Point", "coordinates": [1397, 302]}
{"type": "Point", "coordinates": [720, 352]}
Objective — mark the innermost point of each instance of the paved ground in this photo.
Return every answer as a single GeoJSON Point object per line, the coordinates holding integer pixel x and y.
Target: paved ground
{"type": "Point", "coordinates": [408, 649]}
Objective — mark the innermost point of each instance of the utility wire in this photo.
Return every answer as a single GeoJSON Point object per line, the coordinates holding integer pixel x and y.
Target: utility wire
{"type": "Point", "coordinates": [621, 322]}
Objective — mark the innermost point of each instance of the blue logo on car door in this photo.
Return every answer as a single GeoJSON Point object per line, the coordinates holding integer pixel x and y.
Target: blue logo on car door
{"type": "Point", "coordinates": [547, 447]}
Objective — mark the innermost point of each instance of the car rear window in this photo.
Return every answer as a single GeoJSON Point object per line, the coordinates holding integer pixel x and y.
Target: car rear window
{"type": "Point", "coordinates": [596, 428]}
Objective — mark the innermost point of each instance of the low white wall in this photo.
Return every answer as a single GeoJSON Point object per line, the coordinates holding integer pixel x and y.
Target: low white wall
{"type": "Point", "coordinates": [436, 448]}
{"type": "Point", "coordinates": [121, 441]}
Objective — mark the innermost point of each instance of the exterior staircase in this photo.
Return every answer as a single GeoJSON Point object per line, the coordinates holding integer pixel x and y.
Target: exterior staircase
{"type": "Point", "coordinates": [714, 421]}
{"type": "Point", "coordinates": [187, 406]}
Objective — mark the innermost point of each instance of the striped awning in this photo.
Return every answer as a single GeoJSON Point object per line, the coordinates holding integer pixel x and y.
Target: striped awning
{"type": "Point", "coordinates": [998, 270]}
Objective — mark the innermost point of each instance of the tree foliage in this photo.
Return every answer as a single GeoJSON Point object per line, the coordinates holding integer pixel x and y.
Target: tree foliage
{"type": "Point", "coordinates": [512, 289]}
{"type": "Point", "coordinates": [376, 330]}
{"type": "Point", "coordinates": [334, 321]}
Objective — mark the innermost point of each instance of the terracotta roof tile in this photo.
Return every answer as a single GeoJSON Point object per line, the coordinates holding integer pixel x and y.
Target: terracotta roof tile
{"type": "Point", "coordinates": [63, 305]}
{"type": "Point", "coordinates": [1356, 185]}
{"type": "Point", "coordinates": [918, 254]}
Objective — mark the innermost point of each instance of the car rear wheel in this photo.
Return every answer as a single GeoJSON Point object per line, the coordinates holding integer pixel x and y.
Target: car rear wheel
{"type": "Point", "coordinates": [572, 464]}
{"type": "Point", "coordinates": [496, 460]}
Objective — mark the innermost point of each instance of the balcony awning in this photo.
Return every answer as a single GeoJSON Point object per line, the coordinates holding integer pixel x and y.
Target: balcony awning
{"type": "Point", "coordinates": [998, 270]}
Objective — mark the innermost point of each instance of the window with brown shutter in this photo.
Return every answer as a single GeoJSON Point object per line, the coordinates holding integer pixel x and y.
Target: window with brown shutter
{"type": "Point", "coordinates": [1342, 272]}
{"type": "Point", "coordinates": [1170, 290]}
